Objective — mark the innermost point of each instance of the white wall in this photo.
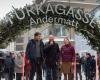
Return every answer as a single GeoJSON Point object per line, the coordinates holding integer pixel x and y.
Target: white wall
{"type": "Point", "coordinates": [10, 47]}
{"type": "Point", "coordinates": [81, 45]}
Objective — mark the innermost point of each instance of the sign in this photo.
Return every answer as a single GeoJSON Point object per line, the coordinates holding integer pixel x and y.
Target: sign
{"type": "Point", "coordinates": [57, 13]}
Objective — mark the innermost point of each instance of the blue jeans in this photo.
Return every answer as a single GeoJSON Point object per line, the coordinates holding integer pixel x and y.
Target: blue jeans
{"type": "Point", "coordinates": [51, 72]}
{"type": "Point", "coordinates": [36, 67]}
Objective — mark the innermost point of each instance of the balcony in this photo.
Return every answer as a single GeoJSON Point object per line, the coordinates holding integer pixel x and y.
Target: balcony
{"type": "Point", "coordinates": [90, 2]}
{"type": "Point", "coordinates": [88, 5]}
{"type": "Point", "coordinates": [98, 1]}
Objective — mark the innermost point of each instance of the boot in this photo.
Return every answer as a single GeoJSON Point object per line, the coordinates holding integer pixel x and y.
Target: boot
{"type": "Point", "coordinates": [70, 76]}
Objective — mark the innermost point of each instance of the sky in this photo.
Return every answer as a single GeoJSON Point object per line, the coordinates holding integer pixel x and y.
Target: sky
{"type": "Point", "coordinates": [6, 5]}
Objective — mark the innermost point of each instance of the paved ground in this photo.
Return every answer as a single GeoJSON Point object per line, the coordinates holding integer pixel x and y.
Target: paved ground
{"type": "Point", "coordinates": [61, 79]}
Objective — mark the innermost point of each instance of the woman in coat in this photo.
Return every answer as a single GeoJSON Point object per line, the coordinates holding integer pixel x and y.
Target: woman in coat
{"type": "Point", "coordinates": [67, 57]}
{"type": "Point", "coordinates": [18, 66]}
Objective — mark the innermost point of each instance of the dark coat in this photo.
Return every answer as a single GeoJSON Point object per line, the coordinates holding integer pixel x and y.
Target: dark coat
{"type": "Point", "coordinates": [78, 63]}
{"type": "Point", "coordinates": [93, 64]}
{"type": "Point", "coordinates": [31, 50]}
{"type": "Point", "coordinates": [51, 53]}
{"type": "Point", "coordinates": [1, 65]}
{"type": "Point", "coordinates": [88, 64]}
{"type": "Point", "coordinates": [9, 64]}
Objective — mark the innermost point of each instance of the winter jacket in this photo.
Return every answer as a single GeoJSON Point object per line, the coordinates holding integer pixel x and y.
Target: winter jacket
{"type": "Point", "coordinates": [18, 64]}
{"type": "Point", "coordinates": [93, 64]}
{"type": "Point", "coordinates": [51, 53]}
{"type": "Point", "coordinates": [88, 64]}
{"type": "Point", "coordinates": [9, 64]}
{"type": "Point", "coordinates": [78, 63]}
{"type": "Point", "coordinates": [31, 49]}
{"type": "Point", "coordinates": [67, 53]}
{"type": "Point", "coordinates": [1, 64]}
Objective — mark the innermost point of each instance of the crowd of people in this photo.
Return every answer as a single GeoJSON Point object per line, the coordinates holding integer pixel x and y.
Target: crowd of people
{"type": "Point", "coordinates": [11, 64]}
{"type": "Point", "coordinates": [87, 65]}
{"type": "Point", "coordinates": [48, 60]}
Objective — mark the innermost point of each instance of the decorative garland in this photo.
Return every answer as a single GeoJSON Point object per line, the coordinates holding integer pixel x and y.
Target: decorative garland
{"type": "Point", "coordinates": [19, 20]}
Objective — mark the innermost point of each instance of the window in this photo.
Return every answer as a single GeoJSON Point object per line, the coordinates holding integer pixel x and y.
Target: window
{"type": "Point", "coordinates": [80, 0]}
{"type": "Point", "coordinates": [19, 40]}
{"type": "Point", "coordinates": [98, 1]}
{"type": "Point", "coordinates": [45, 33]}
{"type": "Point", "coordinates": [59, 30]}
{"type": "Point", "coordinates": [19, 48]}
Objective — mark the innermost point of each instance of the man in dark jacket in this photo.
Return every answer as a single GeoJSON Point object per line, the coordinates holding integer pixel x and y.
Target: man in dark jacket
{"type": "Point", "coordinates": [51, 58]}
{"type": "Point", "coordinates": [88, 66]}
{"type": "Point", "coordinates": [93, 70]}
{"type": "Point", "coordinates": [78, 67]}
{"type": "Point", "coordinates": [34, 52]}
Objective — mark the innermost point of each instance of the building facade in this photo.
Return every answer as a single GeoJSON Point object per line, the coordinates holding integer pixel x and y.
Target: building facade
{"type": "Point", "coordinates": [58, 30]}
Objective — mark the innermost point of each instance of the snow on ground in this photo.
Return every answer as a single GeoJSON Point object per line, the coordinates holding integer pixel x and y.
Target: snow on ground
{"type": "Point", "coordinates": [83, 77]}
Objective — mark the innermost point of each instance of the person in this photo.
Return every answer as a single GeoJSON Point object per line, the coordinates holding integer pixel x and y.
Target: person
{"type": "Point", "coordinates": [98, 62]}
{"type": "Point", "coordinates": [35, 54]}
{"type": "Point", "coordinates": [9, 65]}
{"type": "Point", "coordinates": [83, 60]}
{"type": "Point", "coordinates": [23, 66]}
{"type": "Point", "coordinates": [1, 64]}
{"type": "Point", "coordinates": [27, 68]}
{"type": "Point", "coordinates": [13, 66]}
{"type": "Point", "coordinates": [93, 70]}
{"type": "Point", "coordinates": [0, 68]}
{"type": "Point", "coordinates": [51, 58]}
{"type": "Point", "coordinates": [67, 57]}
{"type": "Point", "coordinates": [88, 66]}
{"type": "Point", "coordinates": [18, 66]}
{"type": "Point", "coordinates": [78, 67]}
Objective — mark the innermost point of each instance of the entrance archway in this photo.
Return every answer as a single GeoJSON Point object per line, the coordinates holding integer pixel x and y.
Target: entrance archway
{"type": "Point", "coordinates": [34, 15]}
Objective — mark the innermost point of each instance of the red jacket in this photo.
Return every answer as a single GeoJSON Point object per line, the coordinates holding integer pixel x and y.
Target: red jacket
{"type": "Point", "coordinates": [27, 64]}
{"type": "Point", "coordinates": [67, 53]}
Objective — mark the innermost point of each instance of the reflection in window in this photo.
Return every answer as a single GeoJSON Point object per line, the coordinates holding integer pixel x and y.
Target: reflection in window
{"type": "Point", "coordinates": [59, 30]}
{"type": "Point", "coordinates": [19, 40]}
{"type": "Point", "coordinates": [19, 48]}
{"type": "Point", "coordinates": [45, 33]}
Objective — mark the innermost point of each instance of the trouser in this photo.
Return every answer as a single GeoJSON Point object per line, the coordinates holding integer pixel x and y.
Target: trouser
{"type": "Point", "coordinates": [9, 75]}
{"type": "Point", "coordinates": [88, 75]}
{"type": "Point", "coordinates": [6, 76]}
{"type": "Point", "coordinates": [59, 72]}
{"type": "Point", "coordinates": [36, 66]}
{"type": "Point", "coordinates": [68, 70]}
{"type": "Point", "coordinates": [27, 75]}
{"type": "Point", "coordinates": [70, 76]}
{"type": "Point", "coordinates": [18, 76]}
{"type": "Point", "coordinates": [78, 72]}
{"type": "Point", "coordinates": [99, 72]}
{"type": "Point", "coordinates": [0, 75]}
{"type": "Point", "coordinates": [51, 72]}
